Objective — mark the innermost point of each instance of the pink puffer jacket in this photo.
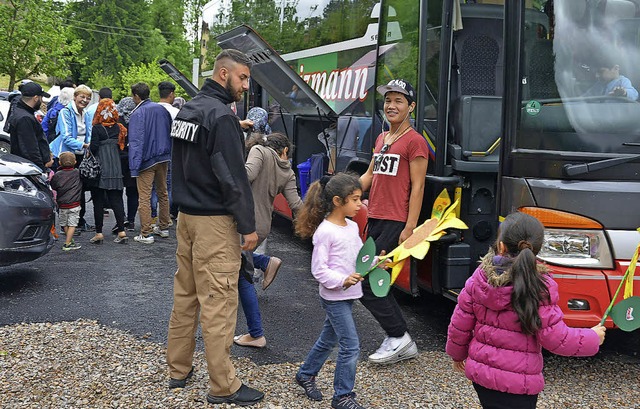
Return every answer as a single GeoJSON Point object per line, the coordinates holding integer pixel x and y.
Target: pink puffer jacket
{"type": "Point", "coordinates": [485, 331]}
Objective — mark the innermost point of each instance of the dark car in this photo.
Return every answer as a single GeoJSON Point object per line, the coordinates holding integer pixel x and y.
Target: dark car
{"type": "Point", "coordinates": [27, 211]}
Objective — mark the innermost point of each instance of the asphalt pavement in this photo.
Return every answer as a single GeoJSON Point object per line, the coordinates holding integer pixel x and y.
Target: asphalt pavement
{"type": "Point", "coordinates": [129, 287]}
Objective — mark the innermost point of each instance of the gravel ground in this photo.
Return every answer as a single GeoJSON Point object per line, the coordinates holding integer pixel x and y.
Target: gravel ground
{"type": "Point", "coordinates": [83, 364]}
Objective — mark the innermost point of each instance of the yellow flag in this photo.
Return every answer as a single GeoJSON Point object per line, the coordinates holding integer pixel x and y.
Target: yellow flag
{"type": "Point", "coordinates": [628, 285]}
{"type": "Point", "coordinates": [440, 204]}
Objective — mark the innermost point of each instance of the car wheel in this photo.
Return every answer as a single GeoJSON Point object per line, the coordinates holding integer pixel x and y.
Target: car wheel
{"type": "Point", "coordinates": [5, 147]}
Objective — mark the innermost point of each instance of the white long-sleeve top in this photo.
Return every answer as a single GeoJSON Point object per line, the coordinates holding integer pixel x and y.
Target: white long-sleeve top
{"type": "Point", "coordinates": [335, 249]}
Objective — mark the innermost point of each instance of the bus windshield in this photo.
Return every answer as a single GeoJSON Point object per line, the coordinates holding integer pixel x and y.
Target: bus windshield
{"type": "Point", "coordinates": [580, 77]}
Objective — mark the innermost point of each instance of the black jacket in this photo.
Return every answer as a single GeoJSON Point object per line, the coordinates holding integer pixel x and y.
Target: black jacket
{"type": "Point", "coordinates": [208, 176]}
{"type": "Point", "coordinates": [27, 137]}
{"type": "Point", "coordinates": [66, 183]}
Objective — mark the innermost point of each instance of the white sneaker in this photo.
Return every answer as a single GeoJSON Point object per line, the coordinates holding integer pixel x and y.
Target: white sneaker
{"type": "Point", "coordinates": [159, 232]}
{"type": "Point", "coordinates": [142, 239]}
{"type": "Point", "coordinates": [395, 349]}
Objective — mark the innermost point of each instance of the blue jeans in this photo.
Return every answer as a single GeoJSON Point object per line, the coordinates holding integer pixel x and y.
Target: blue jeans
{"type": "Point", "coordinates": [261, 261]}
{"type": "Point", "coordinates": [249, 300]}
{"type": "Point", "coordinates": [339, 329]}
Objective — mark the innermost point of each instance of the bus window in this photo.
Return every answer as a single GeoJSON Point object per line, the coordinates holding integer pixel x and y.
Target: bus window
{"type": "Point", "coordinates": [579, 83]}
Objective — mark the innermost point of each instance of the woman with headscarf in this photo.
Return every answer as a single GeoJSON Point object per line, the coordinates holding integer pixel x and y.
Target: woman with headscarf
{"type": "Point", "coordinates": [125, 107]}
{"type": "Point", "coordinates": [108, 139]}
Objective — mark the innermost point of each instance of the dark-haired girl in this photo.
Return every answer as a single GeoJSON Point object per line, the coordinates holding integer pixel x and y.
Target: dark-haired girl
{"type": "Point", "coordinates": [335, 248]}
{"type": "Point", "coordinates": [507, 312]}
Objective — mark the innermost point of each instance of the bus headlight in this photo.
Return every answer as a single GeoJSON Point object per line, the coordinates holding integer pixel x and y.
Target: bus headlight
{"type": "Point", "coordinates": [576, 248]}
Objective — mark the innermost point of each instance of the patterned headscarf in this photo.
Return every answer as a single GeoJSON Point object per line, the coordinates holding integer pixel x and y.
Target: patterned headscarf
{"type": "Point", "coordinates": [260, 119]}
{"type": "Point", "coordinates": [125, 106]}
{"type": "Point", "coordinates": [107, 115]}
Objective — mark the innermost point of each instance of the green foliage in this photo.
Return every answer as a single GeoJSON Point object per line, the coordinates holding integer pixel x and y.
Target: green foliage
{"type": "Point", "coordinates": [285, 31]}
{"type": "Point", "coordinates": [35, 40]}
{"type": "Point", "coordinates": [151, 74]}
{"type": "Point", "coordinates": [100, 80]}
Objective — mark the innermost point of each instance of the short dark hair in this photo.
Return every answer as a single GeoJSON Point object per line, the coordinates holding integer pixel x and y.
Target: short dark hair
{"type": "Point", "coordinates": [141, 90]}
{"type": "Point", "coordinates": [67, 84]}
{"type": "Point", "coordinates": [165, 88]}
{"type": "Point", "coordinates": [236, 56]}
{"type": "Point", "coordinates": [105, 93]}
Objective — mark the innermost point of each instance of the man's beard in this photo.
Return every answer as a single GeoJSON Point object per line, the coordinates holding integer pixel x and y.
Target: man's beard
{"type": "Point", "coordinates": [235, 95]}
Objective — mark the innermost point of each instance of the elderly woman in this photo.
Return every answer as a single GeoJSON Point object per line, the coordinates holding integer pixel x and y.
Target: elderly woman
{"type": "Point", "coordinates": [74, 134]}
{"type": "Point", "coordinates": [107, 142]}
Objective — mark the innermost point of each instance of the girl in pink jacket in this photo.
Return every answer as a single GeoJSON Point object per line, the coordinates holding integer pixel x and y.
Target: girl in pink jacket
{"type": "Point", "coordinates": [507, 312]}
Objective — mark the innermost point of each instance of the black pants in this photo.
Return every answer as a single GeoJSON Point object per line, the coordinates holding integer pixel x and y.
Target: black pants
{"type": "Point", "coordinates": [132, 204]}
{"type": "Point", "coordinates": [83, 202]}
{"type": "Point", "coordinates": [385, 310]}
{"type": "Point", "coordinates": [490, 399]}
{"type": "Point", "coordinates": [115, 199]}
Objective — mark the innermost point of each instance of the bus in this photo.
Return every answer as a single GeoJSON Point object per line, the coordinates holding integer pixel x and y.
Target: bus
{"type": "Point", "coordinates": [526, 105]}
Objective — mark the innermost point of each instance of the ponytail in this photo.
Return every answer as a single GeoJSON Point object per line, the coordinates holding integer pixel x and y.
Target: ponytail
{"type": "Point", "coordinates": [312, 212]}
{"type": "Point", "coordinates": [319, 201]}
{"type": "Point", "coordinates": [529, 291]}
{"type": "Point", "coordinates": [522, 236]}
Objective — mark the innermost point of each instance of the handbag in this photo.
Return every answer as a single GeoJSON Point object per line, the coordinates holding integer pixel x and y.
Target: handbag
{"type": "Point", "coordinates": [90, 167]}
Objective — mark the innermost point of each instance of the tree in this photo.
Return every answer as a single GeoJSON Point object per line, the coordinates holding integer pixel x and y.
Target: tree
{"type": "Point", "coordinates": [35, 41]}
{"type": "Point", "coordinates": [151, 74]}
{"type": "Point", "coordinates": [115, 35]}
{"type": "Point", "coordinates": [264, 16]}
{"type": "Point", "coordinates": [168, 17]}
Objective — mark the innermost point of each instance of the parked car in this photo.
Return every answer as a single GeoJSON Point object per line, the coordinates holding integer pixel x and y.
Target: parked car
{"type": "Point", "coordinates": [27, 211]}
{"type": "Point", "coordinates": [5, 144]}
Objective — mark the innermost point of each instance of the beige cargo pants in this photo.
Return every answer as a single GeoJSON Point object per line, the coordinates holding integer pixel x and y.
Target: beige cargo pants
{"type": "Point", "coordinates": [206, 282]}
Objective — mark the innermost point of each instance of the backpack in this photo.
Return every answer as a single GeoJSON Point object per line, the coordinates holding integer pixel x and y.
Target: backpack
{"type": "Point", "coordinates": [52, 121]}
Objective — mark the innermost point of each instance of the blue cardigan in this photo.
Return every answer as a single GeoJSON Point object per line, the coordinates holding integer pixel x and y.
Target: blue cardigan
{"type": "Point", "coordinates": [67, 130]}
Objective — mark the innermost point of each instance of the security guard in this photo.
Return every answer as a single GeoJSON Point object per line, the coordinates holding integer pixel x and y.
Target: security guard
{"type": "Point", "coordinates": [213, 196]}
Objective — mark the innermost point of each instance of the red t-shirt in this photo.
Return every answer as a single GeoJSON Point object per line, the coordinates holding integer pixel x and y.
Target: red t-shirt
{"type": "Point", "coordinates": [391, 185]}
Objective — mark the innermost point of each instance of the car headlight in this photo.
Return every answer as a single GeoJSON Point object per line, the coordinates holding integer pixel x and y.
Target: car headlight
{"type": "Point", "coordinates": [18, 185]}
{"type": "Point", "coordinates": [576, 248]}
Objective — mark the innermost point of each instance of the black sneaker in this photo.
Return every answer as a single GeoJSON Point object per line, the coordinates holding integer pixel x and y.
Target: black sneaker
{"type": "Point", "coordinates": [245, 396]}
{"type": "Point", "coordinates": [346, 402]}
{"type": "Point", "coordinates": [129, 226]}
{"type": "Point", "coordinates": [180, 383]}
{"type": "Point", "coordinates": [310, 388]}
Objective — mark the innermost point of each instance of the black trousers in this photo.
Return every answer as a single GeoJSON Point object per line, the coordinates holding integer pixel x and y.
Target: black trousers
{"type": "Point", "coordinates": [115, 200]}
{"type": "Point", "coordinates": [132, 203]}
{"type": "Point", "coordinates": [385, 310]}
{"type": "Point", "coordinates": [83, 202]}
{"type": "Point", "coordinates": [490, 399]}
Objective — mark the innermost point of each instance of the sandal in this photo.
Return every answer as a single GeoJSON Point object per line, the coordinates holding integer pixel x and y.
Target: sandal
{"type": "Point", "coordinates": [97, 239]}
{"type": "Point", "coordinates": [121, 239]}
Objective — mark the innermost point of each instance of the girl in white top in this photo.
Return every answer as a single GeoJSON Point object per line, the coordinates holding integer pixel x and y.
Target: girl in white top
{"type": "Point", "coordinates": [336, 244]}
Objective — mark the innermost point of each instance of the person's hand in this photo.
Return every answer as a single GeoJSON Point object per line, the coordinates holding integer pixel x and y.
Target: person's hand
{"type": "Point", "coordinates": [353, 279]}
{"type": "Point", "coordinates": [600, 330]}
{"type": "Point", "coordinates": [619, 92]}
{"type": "Point", "coordinates": [49, 164]}
{"type": "Point", "coordinates": [249, 241]}
{"type": "Point", "coordinates": [85, 145]}
{"type": "Point", "coordinates": [458, 366]}
{"type": "Point", "coordinates": [385, 263]}
{"type": "Point", "coordinates": [246, 124]}
{"type": "Point", "coordinates": [405, 234]}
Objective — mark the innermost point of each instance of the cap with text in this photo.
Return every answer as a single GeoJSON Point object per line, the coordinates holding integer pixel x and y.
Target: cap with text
{"type": "Point", "coordinates": [401, 86]}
